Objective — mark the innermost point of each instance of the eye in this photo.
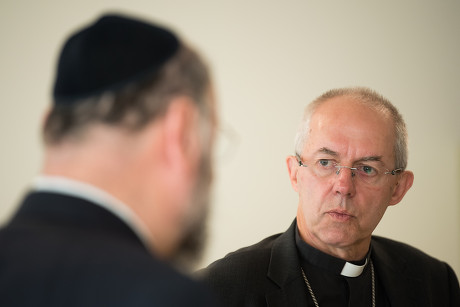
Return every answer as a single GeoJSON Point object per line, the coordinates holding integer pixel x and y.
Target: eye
{"type": "Point", "coordinates": [325, 163]}
{"type": "Point", "coordinates": [367, 170]}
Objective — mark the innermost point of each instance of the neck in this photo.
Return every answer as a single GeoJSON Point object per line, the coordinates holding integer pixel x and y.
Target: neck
{"type": "Point", "coordinates": [140, 189]}
{"type": "Point", "coordinates": [354, 252]}
{"type": "Point", "coordinates": [105, 161]}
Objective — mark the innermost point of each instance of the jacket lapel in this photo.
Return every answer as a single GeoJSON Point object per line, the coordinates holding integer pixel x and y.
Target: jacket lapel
{"type": "Point", "coordinates": [401, 286]}
{"type": "Point", "coordinates": [284, 272]}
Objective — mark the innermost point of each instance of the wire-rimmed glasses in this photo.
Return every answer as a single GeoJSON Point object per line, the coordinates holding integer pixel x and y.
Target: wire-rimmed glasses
{"type": "Point", "coordinates": [367, 173]}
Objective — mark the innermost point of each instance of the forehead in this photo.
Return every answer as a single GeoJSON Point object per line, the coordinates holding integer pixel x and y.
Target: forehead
{"type": "Point", "coordinates": [351, 128]}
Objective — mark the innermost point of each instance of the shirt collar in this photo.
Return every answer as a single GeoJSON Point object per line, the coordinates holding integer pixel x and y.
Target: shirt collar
{"type": "Point", "coordinates": [70, 187]}
{"type": "Point", "coordinates": [327, 262]}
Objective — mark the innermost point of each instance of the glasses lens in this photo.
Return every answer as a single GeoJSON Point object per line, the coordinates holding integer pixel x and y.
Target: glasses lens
{"type": "Point", "coordinates": [324, 167]}
{"type": "Point", "coordinates": [368, 174]}
{"type": "Point", "coordinates": [365, 173]}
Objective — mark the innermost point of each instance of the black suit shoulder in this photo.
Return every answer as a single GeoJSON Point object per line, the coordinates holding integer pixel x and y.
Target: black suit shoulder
{"type": "Point", "coordinates": [247, 257]}
{"type": "Point", "coordinates": [240, 278]}
{"type": "Point", "coordinates": [64, 251]}
{"type": "Point", "coordinates": [435, 278]}
{"type": "Point", "coordinates": [412, 257]}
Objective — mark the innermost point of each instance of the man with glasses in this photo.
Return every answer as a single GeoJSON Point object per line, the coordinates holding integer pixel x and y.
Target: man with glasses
{"type": "Point", "coordinates": [349, 166]}
{"type": "Point", "coordinates": [123, 192]}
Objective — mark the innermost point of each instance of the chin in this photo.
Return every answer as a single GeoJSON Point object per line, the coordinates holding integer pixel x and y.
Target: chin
{"type": "Point", "coordinates": [338, 237]}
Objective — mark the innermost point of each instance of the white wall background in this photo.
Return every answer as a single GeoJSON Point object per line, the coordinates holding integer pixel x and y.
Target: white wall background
{"type": "Point", "coordinates": [270, 58]}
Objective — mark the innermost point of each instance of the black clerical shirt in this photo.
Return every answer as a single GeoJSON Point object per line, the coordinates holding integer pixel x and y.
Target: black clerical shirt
{"type": "Point", "coordinates": [330, 288]}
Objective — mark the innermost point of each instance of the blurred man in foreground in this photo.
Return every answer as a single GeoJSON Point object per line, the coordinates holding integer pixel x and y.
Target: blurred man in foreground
{"type": "Point", "coordinates": [349, 166]}
{"type": "Point", "coordinates": [125, 180]}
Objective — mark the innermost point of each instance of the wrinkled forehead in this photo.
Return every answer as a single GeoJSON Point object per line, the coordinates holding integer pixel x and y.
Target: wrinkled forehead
{"type": "Point", "coordinates": [345, 110]}
{"type": "Point", "coordinates": [350, 123]}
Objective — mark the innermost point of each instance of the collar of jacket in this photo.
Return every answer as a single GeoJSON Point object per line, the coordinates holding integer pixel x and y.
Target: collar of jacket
{"type": "Point", "coordinates": [284, 271]}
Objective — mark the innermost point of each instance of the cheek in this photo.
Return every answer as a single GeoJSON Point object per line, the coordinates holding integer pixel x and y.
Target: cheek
{"type": "Point", "coordinates": [312, 194]}
{"type": "Point", "coordinates": [377, 198]}
{"type": "Point", "coordinates": [373, 204]}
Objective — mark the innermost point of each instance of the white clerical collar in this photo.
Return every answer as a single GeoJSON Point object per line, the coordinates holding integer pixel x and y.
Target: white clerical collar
{"type": "Point", "coordinates": [327, 262]}
{"type": "Point", "coordinates": [70, 187]}
{"type": "Point", "coordinates": [352, 270]}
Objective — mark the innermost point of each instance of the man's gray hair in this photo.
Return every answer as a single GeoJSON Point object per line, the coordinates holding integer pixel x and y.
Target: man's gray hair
{"type": "Point", "coordinates": [135, 105]}
{"type": "Point", "coordinates": [369, 98]}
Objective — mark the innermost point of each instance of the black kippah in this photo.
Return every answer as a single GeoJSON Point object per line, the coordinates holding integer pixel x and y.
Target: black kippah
{"type": "Point", "coordinates": [109, 54]}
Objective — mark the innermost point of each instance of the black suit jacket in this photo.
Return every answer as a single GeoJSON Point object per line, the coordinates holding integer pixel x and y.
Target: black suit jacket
{"type": "Point", "coordinates": [268, 274]}
{"type": "Point", "coordinates": [65, 251]}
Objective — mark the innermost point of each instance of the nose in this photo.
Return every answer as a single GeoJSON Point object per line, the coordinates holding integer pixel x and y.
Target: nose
{"type": "Point", "coordinates": [344, 182]}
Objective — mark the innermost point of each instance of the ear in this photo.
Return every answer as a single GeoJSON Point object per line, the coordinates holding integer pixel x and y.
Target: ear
{"type": "Point", "coordinates": [404, 183]}
{"type": "Point", "coordinates": [181, 135]}
{"type": "Point", "coordinates": [292, 166]}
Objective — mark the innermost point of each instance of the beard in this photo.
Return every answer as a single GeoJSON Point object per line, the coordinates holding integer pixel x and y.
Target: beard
{"type": "Point", "coordinates": [191, 246]}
